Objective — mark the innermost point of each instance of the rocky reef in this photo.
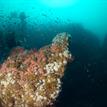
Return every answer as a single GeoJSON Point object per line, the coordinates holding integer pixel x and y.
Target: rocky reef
{"type": "Point", "coordinates": [31, 78]}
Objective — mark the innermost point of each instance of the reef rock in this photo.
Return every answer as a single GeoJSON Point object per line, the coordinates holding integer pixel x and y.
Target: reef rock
{"type": "Point", "coordinates": [30, 78]}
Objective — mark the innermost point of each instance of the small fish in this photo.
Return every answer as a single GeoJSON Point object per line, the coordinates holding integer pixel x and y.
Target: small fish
{"type": "Point", "coordinates": [57, 18]}
{"type": "Point", "coordinates": [1, 16]}
{"type": "Point", "coordinates": [68, 20]}
{"type": "Point", "coordinates": [56, 21]}
{"type": "Point", "coordinates": [43, 14]}
{"type": "Point", "coordinates": [87, 70]}
{"type": "Point", "coordinates": [3, 26]}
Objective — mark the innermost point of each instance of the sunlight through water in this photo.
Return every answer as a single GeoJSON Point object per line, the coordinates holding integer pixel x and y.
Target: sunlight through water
{"type": "Point", "coordinates": [58, 3]}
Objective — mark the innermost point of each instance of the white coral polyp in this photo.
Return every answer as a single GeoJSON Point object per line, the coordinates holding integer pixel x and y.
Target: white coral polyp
{"type": "Point", "coordinates": [52, 67]}
{"type": "Point", "coordinates": [38, 82]}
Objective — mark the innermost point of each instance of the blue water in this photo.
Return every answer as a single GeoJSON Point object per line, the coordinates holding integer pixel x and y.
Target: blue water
{"type": "Point", "coordinates": [33, 24]}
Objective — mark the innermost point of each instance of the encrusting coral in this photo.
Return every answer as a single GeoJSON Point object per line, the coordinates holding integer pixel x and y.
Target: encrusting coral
{"type": "Point", "coordinates": [33, 78]}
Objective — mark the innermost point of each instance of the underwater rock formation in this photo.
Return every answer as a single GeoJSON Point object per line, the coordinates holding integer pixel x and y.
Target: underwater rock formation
{"type": "Point", "coordinates": [31, 78]}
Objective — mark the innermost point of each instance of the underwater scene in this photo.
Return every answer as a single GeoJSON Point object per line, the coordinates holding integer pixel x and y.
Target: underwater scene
{"type": "Point", "coordinates": [53, 53]}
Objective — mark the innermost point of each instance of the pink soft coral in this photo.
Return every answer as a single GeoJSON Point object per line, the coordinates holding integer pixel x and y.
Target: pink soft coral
{"type": "Point", "coordinates": [32, 78]}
